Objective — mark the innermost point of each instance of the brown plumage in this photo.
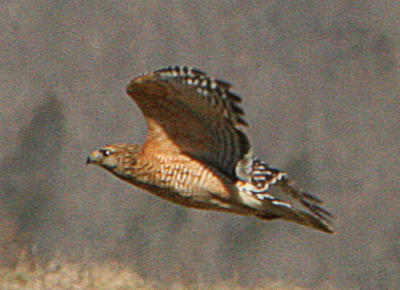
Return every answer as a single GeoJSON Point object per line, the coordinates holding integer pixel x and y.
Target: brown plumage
{"type": "Point", "coordinates": [197, 155]}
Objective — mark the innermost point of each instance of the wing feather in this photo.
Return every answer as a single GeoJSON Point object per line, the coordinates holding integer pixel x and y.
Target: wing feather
{"type": "Point", "coordinates": [188, 112]}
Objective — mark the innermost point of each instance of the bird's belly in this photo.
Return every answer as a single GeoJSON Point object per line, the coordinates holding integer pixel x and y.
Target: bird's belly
{"type": "Point", "coordinates": [201, 199]}
{"type": "Point", "coordinates": [189, 184]}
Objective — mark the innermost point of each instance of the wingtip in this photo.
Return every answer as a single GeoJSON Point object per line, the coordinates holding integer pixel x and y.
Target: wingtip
{"type": "Point", "coordinates": [170, 71]}
{"type": "Point", "coordinates": [136, 82]}
{"type": "Point", "coordinates": [179, 70]}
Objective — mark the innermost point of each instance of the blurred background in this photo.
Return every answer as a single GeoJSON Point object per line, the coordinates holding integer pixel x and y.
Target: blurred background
{"type": "Point", "coordinates": [320, 86]}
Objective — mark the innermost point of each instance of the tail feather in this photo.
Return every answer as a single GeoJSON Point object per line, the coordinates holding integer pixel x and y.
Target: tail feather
{"type": "Point", "coordinates": [283, 204]}
{"type": "Point", "coordinates": [300, 217]}
{"type": "Point", "coordinates": [306, 199]}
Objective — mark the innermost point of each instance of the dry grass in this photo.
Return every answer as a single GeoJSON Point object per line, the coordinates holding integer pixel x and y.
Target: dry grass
{"type": "Point", "coordinates": [71, 276]}
{"type": "Point", "coordinates": [98, 276]}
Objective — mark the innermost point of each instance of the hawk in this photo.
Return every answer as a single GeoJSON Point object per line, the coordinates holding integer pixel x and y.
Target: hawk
{"type": "Point", "coordinates": [197, 154]}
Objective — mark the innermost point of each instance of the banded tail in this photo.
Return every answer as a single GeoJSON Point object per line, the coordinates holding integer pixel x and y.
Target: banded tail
{"type": "Point", "coordinates": [277, 198]}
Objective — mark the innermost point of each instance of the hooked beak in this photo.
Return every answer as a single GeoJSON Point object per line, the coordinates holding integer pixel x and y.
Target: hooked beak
{"type": "Point", "coordinates": [94, 157]}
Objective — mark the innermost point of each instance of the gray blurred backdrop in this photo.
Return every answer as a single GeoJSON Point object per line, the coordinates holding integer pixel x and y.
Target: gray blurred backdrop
{"type": "Point", "coordinates": [320, 86]}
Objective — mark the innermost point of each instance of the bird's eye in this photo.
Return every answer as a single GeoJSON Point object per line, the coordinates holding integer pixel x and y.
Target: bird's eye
{"type": "Point", "coordinates": [106, 152]}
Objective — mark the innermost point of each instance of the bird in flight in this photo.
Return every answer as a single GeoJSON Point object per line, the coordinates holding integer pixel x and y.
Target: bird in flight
{"type": "Point", "coordinates": [197, 154]}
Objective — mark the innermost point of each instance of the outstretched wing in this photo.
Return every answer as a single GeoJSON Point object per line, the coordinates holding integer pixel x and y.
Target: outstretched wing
{"type": "Point", "coordinates": [188, 112]}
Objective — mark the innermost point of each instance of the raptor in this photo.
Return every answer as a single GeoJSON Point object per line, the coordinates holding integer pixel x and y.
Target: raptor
{"type": "Point", "coordinates": [198, 155]}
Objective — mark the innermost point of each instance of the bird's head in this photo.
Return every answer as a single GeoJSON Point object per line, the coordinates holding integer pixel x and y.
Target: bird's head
{"type": "Point", "coordinates": [117, 158]}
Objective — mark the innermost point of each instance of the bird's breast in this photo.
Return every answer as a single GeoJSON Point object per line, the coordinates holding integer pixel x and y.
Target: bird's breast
{"type": "Point", "coordinates": [181, 178]}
